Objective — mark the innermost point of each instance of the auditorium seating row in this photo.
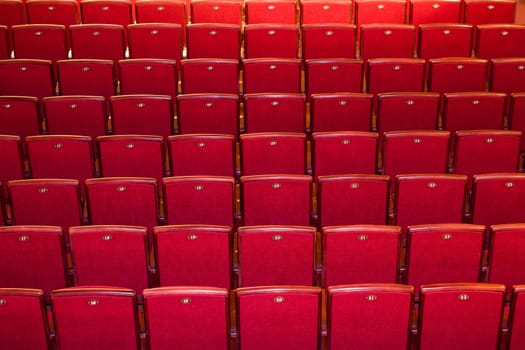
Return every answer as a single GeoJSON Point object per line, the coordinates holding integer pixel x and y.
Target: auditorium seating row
{"type": "Point", "coordinates": [209, 255]}
{"type": "Point", "coordinates": [236, 12]}
{"type": "Point", "coordinates": [377, 316]}
{"type": "Point", "coordinates": [165, 41]}
{"type": "Point", "coordinates": [270, 200]}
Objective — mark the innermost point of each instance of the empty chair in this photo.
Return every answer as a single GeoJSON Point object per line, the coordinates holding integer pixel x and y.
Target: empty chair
{"type": "Point", "coordinates": [272, 75]}
{"type": "Point", "coordinates": [40, 41]}
{"type": "Point", "coordinates": [498, 199]}
{"type": "Point", "coordinates": [276, 255]}
{"type": "Point", "coordinates": [506, 75]}
{"type": "Point", "coordinates": [26, 77]}
{"type": "Point", "coordinates": [213, 40]}
{"type": "Point", "coordinates": [210, 76]}
{"type": "Point", "coordinates": [216, 11]}
{"type": "Point", "coordinates": [517, 113]}
{"type": "Point", "coordinates": [106, 11]}
{"type": "Point", "coordinates": [19, 116]}
{"type": "Point", "coordinates": [5, 45]}
{"type": "Point", "coordinates": [61, 156]}
{"type": "Point", "coordinates": [199, 200]}
{"type": "Point", "coordinates": [491, 11]}
{"type": "Point", "coordinates": [486, 151]}
{"type": "Point", "coordinates": [110, 256]}
{"type": "Point", "coordinates": [326, 11]}
{"type": "Point", "coordinates": [75, 115]}
{"type": "Point", "coordinates": [274, 11]}
{"type": "Point", "coordinates": [476, 110]}
{"type": "Point", "coordinates": [208, 113]}
{"type": "Point", "coordinates": [131, 155]}
{"type": "Point", "coordinates": [273, 153]}
{"type": "Point", "coordinates": [371, 250]}
{"type": "Point", "coordinates": [12, 165]}
{"type": "Point", "coordinates": [195, 316]}
{"type": "Point", "coordinates": [12, 13]}
{"type": "Point", "coordinates": [377, 11]}
{"type": "Point", "coordinates": [123, 201]}
{"type": "Point", "coordinates": [271, 40]}
{"type": "Point", "coordinates": [23, 318]}
{"type": "Point", "coordinates": [387, 40]}
{"type": "Point", "coordinates": [162, 11]}
{"type": "Point", "coordinates": [202, 154]}
{"type": "Point", "coordinates": [95, 317]}
{"type": "Point", "coordinates": [506, 255]}
{"type": "Point", "coordinates": [97, 41]}
{"type": "Point", "coordinates": [457, 75]}
{"type": "Point", "coordinates": [407, 111]}
{"type": "Point", "coordinates": [54, 202]}
{"type": "Point", "coordinates": [344, 152]}
{"type": "Point", "coordinates": [430, 11]}
{"type": "Point", "coordinates": [444, 40]}
{"type": "Point", "coordinates": [500, 41]}
{"type": "Point", "coordinates": [274, 112]}
{"type": "Point", "coordinates": [412, 152]}
{"type": "Point", "coordinates": [353, 200]}
{"type": "Point", "coordinates": [148, 76]}
{"type": "Point", "coordinates": [53, 12]}
{"type": "Point", "coordinates": [340, 111]}
{"type": "Point", "coordinates": [193, 255]}
{"type": "Point", "coordinates": [276, 200]}
{"type": "Point", "coordinates": [3, 216]}
{"type": "Point", "coordinates": [86, 77]}
{"type": "Point", "coordinates": [355, 312]}
{"type": "Point", "coordinates": [460, 315]}
{"type": "Point", "coordinates": [328, 40]}
{"type": "Point", "coordinates": [395, 75]}
{"type": "Point", "coordinates": [444, 253]}
{"type": "Point", "coordinates": [155, 40]}
{"type": "Point", "coordinates": [333, 76]}
{"type": "Point", "coordinates": [516, 318]}
{"type": "Point", "coordinates": [38, 251]}
{"type": "Point", "coordinates": [142, 114]}
{"type": "Point", "coordinates": [429, 199]}
{"type": "Point", "coordinates": [270, 310]}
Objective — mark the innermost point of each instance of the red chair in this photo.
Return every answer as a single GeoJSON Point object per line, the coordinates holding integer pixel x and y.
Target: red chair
{"type": "Point", "coordinates": [142, 114]}
{"type": "Point", "coordinates": [202, 75]}
{"type": "Point", "coordinates": [444, 40]}
{"type": "Point", "coordinates": [387, 41]}
{"type": "Point", "coordinates": [40, 41]}
{"type": "Point", "coordinates": [110, 255]}
{"type": "Point", "coordinates": [492, 11]}
{"type": "Point", "coordinates": [516, 320]}
{"type": "Point", "coordinates": [213, 40]}
{"type": "Point", "coordinates": [155, 40]}
{"type": "Point", "coordinates": [24, 319]}
{"type": "Point", "coordinates": [371, 250]}
{"type": "Point", "coordinates": [355, 312]}
{"type": "Point", "coordinates": [507, 75]}
{"type": "Point", "coordinates": [429, 11]}
{"type": "Point", "coordinates": [107, 11]}
{"type": "Point", "coordinates": [376, 11]}
{"type": "Point", "coordinates": [97, 41]}
{"type": "Point", "coordinates": [86, 77]}
{"type": "Point", "coordinates": [216, 11]}
{"type": "Point", "coordinates": [19, 115]}
{"type": "Point", "coordinates": [202, 154]}
{"type": "Point", "coordinates": [131, 155]}
{"type": "Point", "coordinates": [61, 12]}
{"type": "Point", "coordinates": [461, 315]}
{"type": "Point", "coordinates": [12, 165]}
{"type": "Point", "coordinates": [194, 316]}
{"type": "Point", "coordinates": [328, 40]}
{"type": "Point", "coordinates": [444, 253]}
{"type": "Point", "coordinates": [353, 200]}
{"type": "Point", "coordinates": [333, 76]}
{"type": "Point", "coordinates": [271, 40]}
{"type": "Point", "coordinates": [193, 255]}
{"type": "Point", "coordinates": [395, 75]}
{"type": "Point", "coordinates": [276, 200]}
{"type": "Point", "coordinates": [340, 111]}
{"type": "Point", "coordinates": [95, 318]}
{"type": "Point", "coordinates": [26, 77]}
{"type": "Point", "coordinates": [5, 43]}
{"type": "Point", "coordinates": [517, 113]}
{"type": "Point", "coordinates": [39, 252]}
{"type": "Point", "coordinates": [500, 41]}
{"type": "Point", "coordinates": [163, 11]}
{"type": "Point", "coordinates": [273, 153]}
{"type": "Point", "coordinates": [272, 75]}
{"type": "Point", "coordinates": [457, 75]}
{"type": "Point", "coordinates": [12, 12]}
{"type": "Point", "coordinates": [199, 200]}
{"type": "Point", "coordinates": [407, 111]}
{"type": "Point", "coordinates": [349, 152]}
{"type": "Point", "coordinates": [326, 11]}
{"type": "Point", "coordinates": [148, 76]}
{"type": "Point", "coordinates": [274, 112]}
{"type": "Point", "coordinates": [208, 113]}
{"type": "Point", "coordinates": [270, 310]}
{"type": "Point", "coordinates": [276, 11]}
